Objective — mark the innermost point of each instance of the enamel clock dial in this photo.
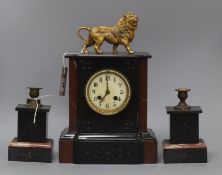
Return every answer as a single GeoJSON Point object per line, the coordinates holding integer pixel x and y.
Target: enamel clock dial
{"type": "Point", "coordinates": [107, 92]}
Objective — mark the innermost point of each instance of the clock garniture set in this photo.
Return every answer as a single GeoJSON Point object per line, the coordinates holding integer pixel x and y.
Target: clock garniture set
{"type": "Point", "coordinates": [107, 109]}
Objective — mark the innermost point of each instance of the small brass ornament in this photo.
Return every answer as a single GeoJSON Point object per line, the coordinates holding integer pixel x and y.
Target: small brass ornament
{"type": "Point", "coordinates": [34, 94]}
{"type": "Point", "coordinates": [120, 34]}
{"type": "Point", "coordinates": [182, 95]}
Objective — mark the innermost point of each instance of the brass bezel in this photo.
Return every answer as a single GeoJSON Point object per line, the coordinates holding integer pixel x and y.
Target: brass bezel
{"type": "Point", "coordinates": [102, 111]}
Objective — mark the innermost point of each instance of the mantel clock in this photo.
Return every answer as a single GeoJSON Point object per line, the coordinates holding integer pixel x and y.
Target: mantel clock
{"type": "Point", "coordinates": [108, 110]}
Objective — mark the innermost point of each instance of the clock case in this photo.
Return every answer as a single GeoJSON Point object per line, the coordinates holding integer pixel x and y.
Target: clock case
{"type": "Point", "coordinates": [119, 138]}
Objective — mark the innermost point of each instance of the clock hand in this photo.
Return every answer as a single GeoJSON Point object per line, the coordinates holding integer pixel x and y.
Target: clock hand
{"type": "Point", "coordinates": [106, 93]}
{"type": "Point", "coordinates": [107, 85]}
{"type": "Point", "coordinates": [103, 98]}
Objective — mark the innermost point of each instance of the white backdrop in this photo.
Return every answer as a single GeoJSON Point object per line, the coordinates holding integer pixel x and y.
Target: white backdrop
{"type": "Point", "coordinates": [184, 37]}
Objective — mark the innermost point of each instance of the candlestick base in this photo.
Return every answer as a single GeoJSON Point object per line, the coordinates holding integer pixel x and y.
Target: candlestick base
{"type": "Point", "coordinates": [30, 151]}
{"type": "Point", "coordinates": [185, 153]}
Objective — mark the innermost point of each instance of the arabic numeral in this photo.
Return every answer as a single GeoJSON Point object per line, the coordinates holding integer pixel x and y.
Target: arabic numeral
{"type": "Point", "coordinates": [95, 84]}
{"type": "Point", "coordinates": [107, 77]}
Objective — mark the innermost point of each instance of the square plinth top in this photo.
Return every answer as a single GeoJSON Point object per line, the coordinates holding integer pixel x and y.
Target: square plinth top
{"type": "Point", "coordinates": [192, 110]}
{"type": "Point", "coordinates": [24, 107]}
{"type": "Point", "coordinates": [119, 55]}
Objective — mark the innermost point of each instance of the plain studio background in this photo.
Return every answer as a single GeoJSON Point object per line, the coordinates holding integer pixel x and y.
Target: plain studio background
{"type": "Point", "coordinates": [184, 37]}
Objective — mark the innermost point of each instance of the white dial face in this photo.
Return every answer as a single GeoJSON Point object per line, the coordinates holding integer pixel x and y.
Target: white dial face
{"type": "Point", "coordinates": [107, 92]}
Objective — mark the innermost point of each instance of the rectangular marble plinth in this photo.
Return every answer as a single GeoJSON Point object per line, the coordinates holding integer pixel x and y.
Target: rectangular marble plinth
{"type": "Point", "coordinates": [185, 153]}
{"type": "Point", "coordinates": [108, 148]}
{"type": "Point", "coordinates": [30, 151]}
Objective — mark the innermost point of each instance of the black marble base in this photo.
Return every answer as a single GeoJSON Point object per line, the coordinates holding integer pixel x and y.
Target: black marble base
{"type": "Point", "coordinates": [30, 151]}
{"type": "Point", "coordinates": [28, 131]}
{"type": "Point", "coordinates": [185, 153]}
{"type": "Point", "coordinates": [112, 149]}
{"type": "Point", "coordinates": [184, 124]}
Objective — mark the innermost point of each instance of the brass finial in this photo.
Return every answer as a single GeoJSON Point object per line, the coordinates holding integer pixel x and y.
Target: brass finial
{"type": "Point", "coordinates": [182, 95]}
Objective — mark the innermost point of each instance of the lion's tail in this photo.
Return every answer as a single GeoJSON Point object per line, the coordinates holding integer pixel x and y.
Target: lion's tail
{"type": "Point", "coordinates": [82, 28]}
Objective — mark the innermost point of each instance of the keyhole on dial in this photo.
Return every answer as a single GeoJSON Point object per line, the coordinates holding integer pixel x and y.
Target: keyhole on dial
{"type": "Point", "coordinates": [99, 97]}
{"type": "Point", "coordinates": [115, 98]}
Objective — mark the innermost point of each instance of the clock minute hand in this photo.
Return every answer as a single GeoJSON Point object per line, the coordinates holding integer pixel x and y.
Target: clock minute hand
{"type": "Point", "coordinates": [107, 85]}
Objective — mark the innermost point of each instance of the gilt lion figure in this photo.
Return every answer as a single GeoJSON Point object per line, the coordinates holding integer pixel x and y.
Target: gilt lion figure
{"type": "Point", "coordinates": [120, 34]}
